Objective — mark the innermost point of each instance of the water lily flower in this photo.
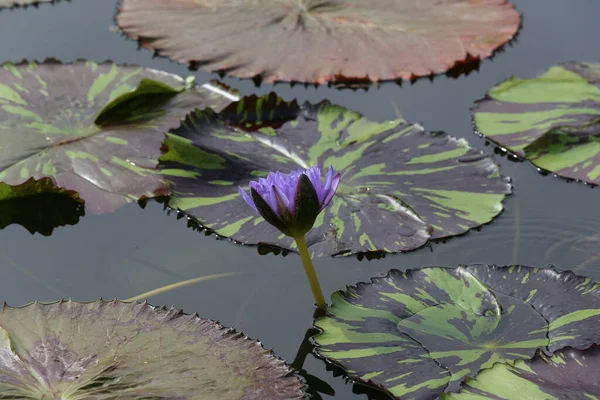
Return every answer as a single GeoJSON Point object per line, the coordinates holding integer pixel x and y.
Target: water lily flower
{"type": "Point", "coordinates": [291, 203]}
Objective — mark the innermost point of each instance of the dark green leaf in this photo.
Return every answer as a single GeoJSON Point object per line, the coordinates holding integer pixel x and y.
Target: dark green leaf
{"type": "Point", "coordinates": [419, 333]}
{"type": "Point", "coordinates": [552, 120]}
{"type": "Point", "coordinates": [48, 130]}
{"type": "Point", "coordinates": [321, 40]}
{"type": "Point", "coordinates": [569, 374]}
{"type": "Point", "coordinates": [114, 350]}
{"type": "Point", "coordinates": [148, 95]}
{"type": "Point", "coordinates": [397, 179]}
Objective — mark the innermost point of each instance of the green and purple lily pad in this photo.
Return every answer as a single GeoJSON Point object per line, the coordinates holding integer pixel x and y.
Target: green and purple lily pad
{"type": "Point", "coordinates": [568, 374]}
{"type": "Point", "coordinates": [552, 120]}
{"type": "Point", "coordinates": [418, 334]}
{"type": "Point", "coordinates": [108, 350]}
{"type": "Point", "coordinates": [94, 129]}
{"type": "Point", "coordinates": [400, 185]}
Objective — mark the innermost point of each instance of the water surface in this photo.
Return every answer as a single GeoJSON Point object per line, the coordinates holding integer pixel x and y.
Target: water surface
{"type": "Point", "coordinates": [546, 221]}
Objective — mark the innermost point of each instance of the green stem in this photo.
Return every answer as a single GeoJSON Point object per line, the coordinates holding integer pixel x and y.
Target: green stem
{"type": "Point", "coordinates": [310, 271]}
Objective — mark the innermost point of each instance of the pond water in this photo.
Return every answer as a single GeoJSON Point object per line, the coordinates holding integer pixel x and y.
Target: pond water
{"type": "Point", "coordinates": [546, 221]}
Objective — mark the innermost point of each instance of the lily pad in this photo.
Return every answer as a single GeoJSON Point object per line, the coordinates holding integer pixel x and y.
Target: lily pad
{"type": "Point", "coordinates": [22, 3]}
{"type": "Point", "coordinates": [42, 212]}
{"type": "Point", "coordinates": [418, 334]}
{"type": "Point", "coordinates": [343, 39]}
{"type": "Point", "coordinates": [568, 374]}
{"type": "Point", "coordinates": [398, 181]}
{"type": "Point", "coordinates": [95, 129]}
{"type": "Point", "coordinates": [552, 120]}
{"type": "Point", "coordinates": [115, 350]}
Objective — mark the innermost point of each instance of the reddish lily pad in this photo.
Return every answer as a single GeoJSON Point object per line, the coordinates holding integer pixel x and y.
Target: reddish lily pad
{"type": "Point", "coordinates": [321, 40]}
{"type": "Point", "coordinates": [95, 129]}
{"type": "Point", "coordinates": [114, 350]}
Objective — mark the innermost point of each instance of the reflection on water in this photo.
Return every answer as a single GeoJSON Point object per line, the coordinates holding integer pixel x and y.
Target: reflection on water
{"type": "Point", "coordinates": [134, 250]}
{"type": "Point", "coordinates": [41, 213]}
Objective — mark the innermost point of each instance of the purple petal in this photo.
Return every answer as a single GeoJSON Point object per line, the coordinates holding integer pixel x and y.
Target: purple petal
{"type": "Point", "coordinates": [334, 184]}
{"type": "Point", "coordinates": [256, 186]}
{"type": "Point", "coordinates": [284, 198]}
{"type": "Point", "coordinates": [293, 182]}
{"type": "Point", "coordinates": [247, 198]}
{"type": "Point", "coordinates": [277, 177]}
{"type": "Point", "coordinates": [314, 174]}
{"type": "Point", "coordinates": [287, 188]}
{"type": "Point", "coordinates": [327, 184]}
{"type": "Point", "coordinates": [335, 181]}
{"type": "Point", "coordinates": [271, 200]}
{"type": "Point", "coordinates": [279, 188]}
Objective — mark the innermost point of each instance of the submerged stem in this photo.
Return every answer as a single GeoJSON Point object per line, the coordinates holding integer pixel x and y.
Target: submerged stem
{"type": "Point", "coordinates": [177, 285]}
{"type": "Point", "coordinates": [310, 271]}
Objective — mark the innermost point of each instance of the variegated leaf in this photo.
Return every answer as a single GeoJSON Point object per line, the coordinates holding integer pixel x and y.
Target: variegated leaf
{"type": "Point", "coordinates": [418, 334]}
{"type": "Point", "coordinates": [552, 120]}
{"type": "Point", "coordinates": [95, 129]}
{"type": "Point", "coordinates": [569, 374]}
{"type": "Point", "coordinates": [398, 180]}
{"type": "Point", "coordinates": [108, 350]}
{"type": "Point", "coordinates": [570, 303]}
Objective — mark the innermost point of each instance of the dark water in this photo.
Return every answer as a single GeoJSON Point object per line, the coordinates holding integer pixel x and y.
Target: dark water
{"type": "Point", "coordinates": [134, 250]}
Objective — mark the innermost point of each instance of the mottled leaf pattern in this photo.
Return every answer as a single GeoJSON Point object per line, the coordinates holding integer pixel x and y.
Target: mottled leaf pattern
{"type": "Point", "coordinates": [343, 39]}
{"type": "Point", "coordinates": [552, 120]}
{"type": "Point", "coordinates": [398, 180]}
{"type": "Point", "coordinates": [419, 333]}
{"type": "Point", "coordinates": [569, 302]}
{"type": "Point", "coordinates": [47, 127]}
{"type": "Point", "coordinates": [114, 350]}
{"type": "Point", "coordinates": [569, 374]}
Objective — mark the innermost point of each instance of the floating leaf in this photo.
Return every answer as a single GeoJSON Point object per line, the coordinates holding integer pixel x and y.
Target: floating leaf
{"type": "Point", "coordinates": [23, 3]}
{"type": "Point", "coordinates": [41, 212]}
{"type": "Point", "coordinates": [419, 333]}
{"type": "Point", "coordinates": [95, 129]}
{"type": "Point", "coordinates": [570, 303]}
{"type": "Point", "coordinates": [568, 374]}
{"type": "Point", "coordinates": [552, 120]}
{"type": "Point", "coordinates": [343, 39]}
{"type": "Point", "coordinates": [396, 178]}
{"type": "Point", "coordinates": [115, 350]}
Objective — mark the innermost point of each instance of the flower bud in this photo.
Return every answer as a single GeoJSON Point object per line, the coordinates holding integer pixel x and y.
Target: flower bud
{"type": "Point", "coordinates": [292, 202]}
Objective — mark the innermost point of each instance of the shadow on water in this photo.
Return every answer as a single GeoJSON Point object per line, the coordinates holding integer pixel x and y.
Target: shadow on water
{"type": "Point", "coordinates": [41, 213]}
